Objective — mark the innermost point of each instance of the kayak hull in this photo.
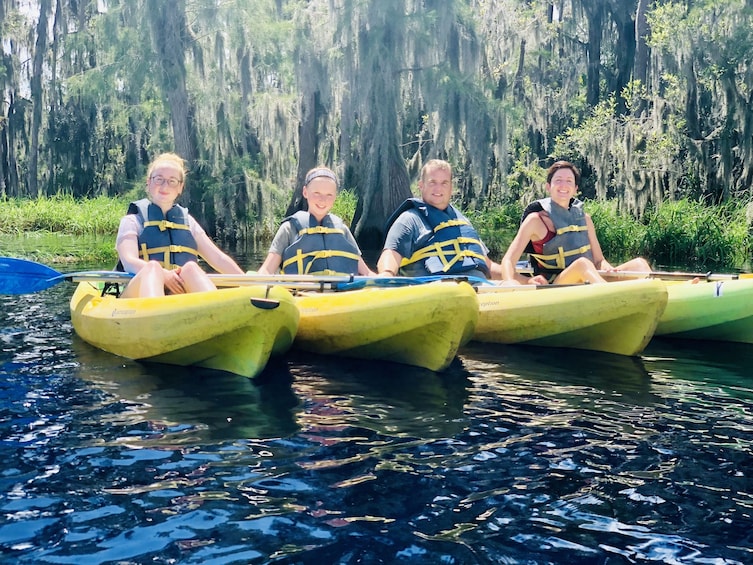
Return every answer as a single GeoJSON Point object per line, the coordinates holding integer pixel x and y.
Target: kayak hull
{"type": "Point", "coordinates": [714, 310]}
{"type": "Point", "coordinates": [421, 325]}
{"type": "Point", "coordinates": [618, 317]}
{"type": "Point", "coordinates": [234, 330]}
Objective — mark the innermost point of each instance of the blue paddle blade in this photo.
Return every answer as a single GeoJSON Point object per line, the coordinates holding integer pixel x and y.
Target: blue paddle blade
{"type": "Point", "coordinates": [19, 276]}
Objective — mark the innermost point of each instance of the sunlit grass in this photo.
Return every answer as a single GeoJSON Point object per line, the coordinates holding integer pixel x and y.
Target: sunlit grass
{"type": "Point", "coordinates": [693, 234]}
{"type": "Point", "coordinates": [62, 214]}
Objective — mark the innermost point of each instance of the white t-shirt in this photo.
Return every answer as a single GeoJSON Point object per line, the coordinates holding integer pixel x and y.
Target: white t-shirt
{"type": "Point", "coordinates": [131, 225]}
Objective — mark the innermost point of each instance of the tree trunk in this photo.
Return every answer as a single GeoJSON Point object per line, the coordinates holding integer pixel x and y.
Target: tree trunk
{"type": "Point", "coordinates": [624, 51]}
{"type": "Point", "coordinates": [595, 13]}
{"type": "Point", "coordinates": [384, 183]}
{"type": "Point", "coordinates": [37, 97]}
{"type": "Point", "coordinates": [640, 66]}
{"type": "Point", "coordinates": [308, 141]}
{"type": "Point", "coordinates": [169, 36]}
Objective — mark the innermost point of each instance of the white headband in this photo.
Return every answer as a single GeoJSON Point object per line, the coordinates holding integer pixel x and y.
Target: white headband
{"type": "Point", "coordinates": [317, 173]}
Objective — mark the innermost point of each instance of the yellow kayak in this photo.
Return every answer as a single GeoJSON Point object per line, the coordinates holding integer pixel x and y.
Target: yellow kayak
{"type": "Point", "coordinates": [234, 329]}
{"type": "Point", "coordinates": [421, 325]}
{"type": "Point", "coordinates": [618, 317]}
{"type": "Point", "coordinates": [714, 310]}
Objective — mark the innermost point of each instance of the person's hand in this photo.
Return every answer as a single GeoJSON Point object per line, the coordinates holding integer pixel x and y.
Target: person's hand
{"type": "Point", "coordinates": [606, 267]}
{"type": "Point", "coordinates": [538, 280]}
{"type": "Point", "coordinates": [172, 281]}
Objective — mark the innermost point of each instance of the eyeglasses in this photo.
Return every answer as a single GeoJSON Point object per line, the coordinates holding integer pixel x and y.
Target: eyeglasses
{"type": "Point", "coordinates": [172, 182]}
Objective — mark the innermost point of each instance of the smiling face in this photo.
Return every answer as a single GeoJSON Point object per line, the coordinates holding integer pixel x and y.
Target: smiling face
{"type": "Point", "coordinates": [164, 185]}
{"type": "Point", "coordinates": [562, 186]}
{"type": "Point", "coordinates": [436, 187]}
{"type": "Point", "coordinates": [320, 193]}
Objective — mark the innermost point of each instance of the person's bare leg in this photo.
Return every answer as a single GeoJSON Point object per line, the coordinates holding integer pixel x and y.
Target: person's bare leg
{"type": "Point", "coordinates": [149, 281]}
{"type": "Point", "coordinates": [639, 265]}
{"type": "Point", "coordinates": [580, 271]}
{"type": "Point", "coordinates": [195, 279]}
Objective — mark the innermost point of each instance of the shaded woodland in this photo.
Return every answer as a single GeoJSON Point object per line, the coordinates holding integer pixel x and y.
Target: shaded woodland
{"type": "Point", "coordinates": [652, 99]}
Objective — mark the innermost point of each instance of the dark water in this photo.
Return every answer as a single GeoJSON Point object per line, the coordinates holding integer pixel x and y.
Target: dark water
{"type": "Point", "coordinates": [515, 455]}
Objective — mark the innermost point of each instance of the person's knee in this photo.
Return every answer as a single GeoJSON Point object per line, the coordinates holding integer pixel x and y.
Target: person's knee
{"type": "Point", "coordinates": [582, 264]}
{"type": "Point", "coordinates": [190, 268]}
{"type": "Point", "coordinates": [152, 268]}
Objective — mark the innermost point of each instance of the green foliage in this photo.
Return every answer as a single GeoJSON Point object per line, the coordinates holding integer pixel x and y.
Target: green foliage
{"type": "Point", "coordinates": [620, 235]}
{"type": "Point", "coordinates": [497, 226]}
{"type": "Point", "coordinates": [345, 205]}
{"type": "Point", "coordinates": [691, 234]}
{"type": "Point", "coordinates": [62, 214]}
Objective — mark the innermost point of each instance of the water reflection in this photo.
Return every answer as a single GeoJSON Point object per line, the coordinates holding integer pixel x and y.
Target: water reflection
{"type": "Point", "coordinates": [720, 363]}
{"type": "Point", "coordinates": [392, 399]}
{"type": "Point", "coordinates": [192, 404]}
{"type": "Point", "coordinates": [591, 377]}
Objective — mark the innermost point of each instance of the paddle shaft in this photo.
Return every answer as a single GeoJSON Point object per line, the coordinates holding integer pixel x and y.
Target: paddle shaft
{"type": "Point", "coordinates": [675, 275]}
{"type": "Point", "coordinates": [666, 275]}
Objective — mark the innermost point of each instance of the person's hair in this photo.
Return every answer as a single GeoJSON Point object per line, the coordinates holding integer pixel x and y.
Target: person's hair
{"type": "Point", "coordinates": [432, 164]}
{"type": "Point", "coordinates": [563, 165]}
{"type": "Point", "coordinates": [171, 160]}
{"type": "Point", "coordinates": [319, 172]}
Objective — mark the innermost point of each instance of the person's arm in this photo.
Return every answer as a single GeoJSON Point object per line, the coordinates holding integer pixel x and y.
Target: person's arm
{"type": "Point", "coordinates": [399, 242]}
{"type": "Point", "coordinates": [127, 244]}
{"type": "Point", "coordinates": [208, 250]}
{"type": "Point", "coordinates": [600, 261]}
{"type": "Point", "coordinates": [270, 264]}
{"type": "Point", "coordinates": [389, 263]}
{"type": "Point", "coordinates": [529, 231]}
{"type": "Point", "coordinates": [281, 241]}
{"type": "Point", "coordinates": [363, 269]}
{"type": "Point", "coordinates": [218, 259]}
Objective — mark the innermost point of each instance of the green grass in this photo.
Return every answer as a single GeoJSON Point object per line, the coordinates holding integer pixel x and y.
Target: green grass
{"type": "Point", "coordinates": [62, 214]}
{"type": "Point", "coordinates": [695, 235]}
{"type": "Point", "coordinates": [497, 227]}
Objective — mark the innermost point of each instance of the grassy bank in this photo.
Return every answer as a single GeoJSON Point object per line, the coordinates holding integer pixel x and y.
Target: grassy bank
{"type": "Point", "coordinates": [683, 234]}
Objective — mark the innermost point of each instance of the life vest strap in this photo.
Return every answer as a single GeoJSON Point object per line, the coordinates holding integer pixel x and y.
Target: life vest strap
{"type": "Point", "coordinates": [557, 260]}
{"type": "Point", "coordinates": [450, 224]}
{"type": "Point", "coordinates": [165, 225]}
{"type": "Point", "coordinates": [320, 230]}
{"type": "Point", "coordinates": [300, 258]}
{"type": "Point", "coordinates": [449, 252]}
{"type": "Point", "coordinates": [166, 250]}
{"type": "Point", "coordinates": [569, 229]}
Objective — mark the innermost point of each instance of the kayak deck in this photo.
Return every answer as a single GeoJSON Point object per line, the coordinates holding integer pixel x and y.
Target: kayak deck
{"type": "Point", "coordinates": [234, 330]}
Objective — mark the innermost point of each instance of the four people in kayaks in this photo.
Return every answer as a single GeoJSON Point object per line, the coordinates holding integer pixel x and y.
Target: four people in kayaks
{"type": "Point", "coordinates": [160, 242]}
